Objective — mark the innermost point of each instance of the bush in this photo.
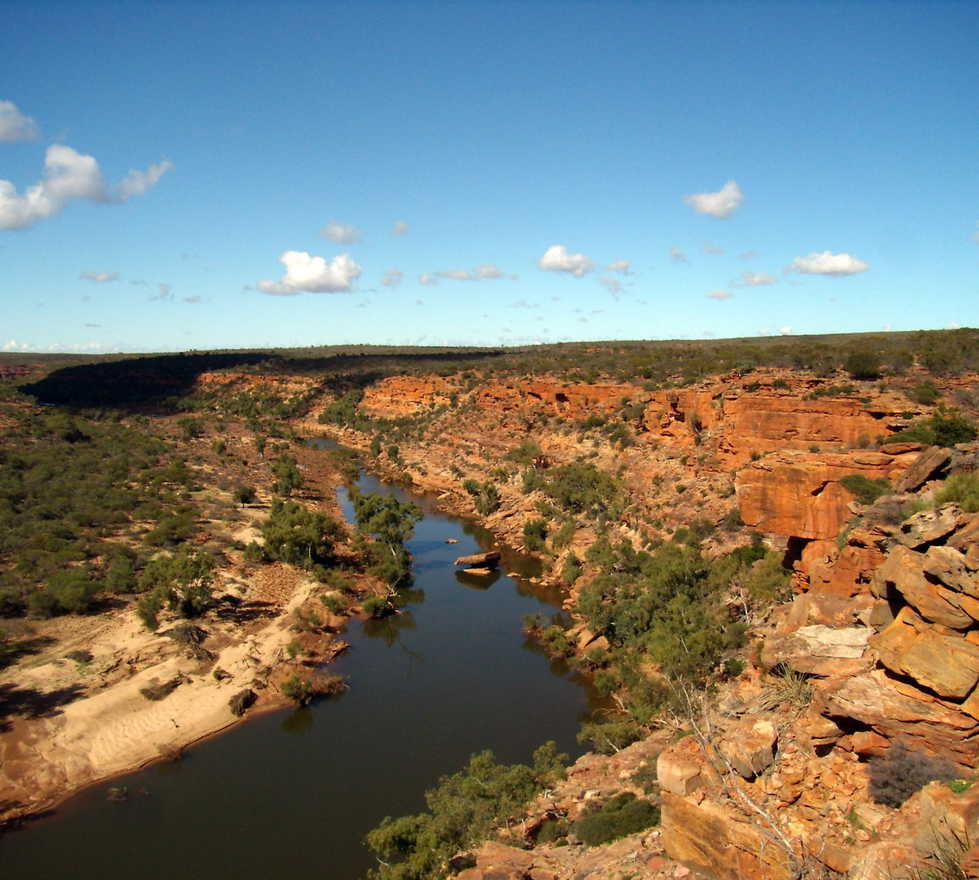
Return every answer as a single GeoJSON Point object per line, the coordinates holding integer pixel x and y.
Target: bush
{"type": "Point", "coordinates": [926, 394]}
{"type": "Point", "coordinates": [862, 365]}
{"type": "Point", "coordinates": [462, 809]}
{"type": "Point", "coordinates": [299, 690]}
{"type": "Point", "coordinates": [534, 534]}
{"type": "Point", "coordinates": [571, 570]}
{"type": "Point", "coordinates": [583, 488]}
{"type": "Point", "coordinates": [963, 489]}
{"type": "Point", "coordinates": [865, 490]}
{"type": "Point", "coordinates": [622, 815]}
{"type": "Point", "coordinates": [486, 497]}
{"type": "Point", "coordinates": [299, 536]}
{"type": "Point", "coordinates": [941, 429]}
{"type": "Point", "coordinates": [242, 701]}
{"type": "Point", "coordinates": [901, 772]}
{"type": "Point", "coordinates": [244, 494]}
{"type": "Point", "coordinates": [376, 606]}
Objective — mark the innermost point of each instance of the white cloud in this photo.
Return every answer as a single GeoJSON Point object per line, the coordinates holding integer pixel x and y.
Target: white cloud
{"type": "Point", "coordinates": [14, 125]}
{"type": "Point", "coordinates": [69, 175]}
{"type": "Point", "coordinates": [557, 259]}
{"type": "Point", "coordinates": [78, 348]}
{"type": "Point", "coordinates": [426, 278]}
{"type": "Point", "coordinates": [720, 294]}
{"type": "Point", "coordinates": [753, 279]}
{"type": "Point", "coordinates": [488, 271]}
{"type": "Point", "coordinates": [193, 300]}
{"type": "Point", "coordinates": [165, 292]}
{"type": "Point", "coordinates": [136, 183]}
{"type": "Point", "coordinates": [712, 249]}
{"type": "Point", "coordinates": [621, 266]}
{"type": "Point", "coordinates": [392, 278]}
{"type": "Point", "coordinates": [827, 263]}
{"type": "Point", "coordinates": [308, 274]}
{"type": "Point", "coordinates": [456, 275]}
{"type": "Point", "coordinates": [99, 277]}
{"type": "Point", "coordinates": [678, 256]}
{"type": "Point", "coordinates": [785, 331]}
{"type": "Point", "coordinates": [612, 285]}
{"type": "Point", "coordinates": [721, 204]}
{"type": "Point", "coordinates": [400, 227]}
{"type": "Point", "coordinates": [341, 233]}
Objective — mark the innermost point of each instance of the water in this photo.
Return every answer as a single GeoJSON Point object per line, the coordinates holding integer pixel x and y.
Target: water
{"type": "Point", "coordinates": [294, 792]}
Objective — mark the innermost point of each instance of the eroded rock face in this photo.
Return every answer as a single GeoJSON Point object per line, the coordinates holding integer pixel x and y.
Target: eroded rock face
{"type": "Point", "coordinates": [798, 494]}
{"type": "Point", "coordinates": [716, 840]}
{"type": "Point", "coordinates": [399, 396]}
{"type": "Point", "coordinates": [769, 423]}
{"type": "Point", "coordinates": [898, 710]}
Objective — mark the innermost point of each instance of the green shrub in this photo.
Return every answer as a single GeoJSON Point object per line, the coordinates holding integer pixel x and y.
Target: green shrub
{"type": "Point", "coordinates": [865, 490]}
{"type": "Point", "coordinates": [926, 394]}
{"type": "Point", "coordinates": [963, 489]}
{"type": "Point", "coordinates": [582, 488]}
{"type": "Point", "coordinates": [462, 810]}
{"type": "Point", "coordinates": [486, 496]}
{"type": "Point", "coordinates": [944, 428]}
{"type": "Point", "coordinates": [376, 606]}
{"type": "Point", "coordinates": [571, 570]}
{"type": "Point", "coordinates": [622, 815]}
{"type": "Point", "coordinates": [299, 536]}
{"type": "Point", "coordinates": [297, 689]}
{"type": "Point", "coordinates": [525, 453]}
{"type": "Point", "coordinates": [862, 365]}
{"type": "Point", "coordinates": [535, 534]}
{"type": "Point", "coordinates": [244, 494]}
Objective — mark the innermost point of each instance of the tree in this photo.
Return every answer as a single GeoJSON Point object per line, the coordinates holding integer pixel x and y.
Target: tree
{"type": "Point", "coordinates": [285, 469]}
{"type": "Point", "coordinates": [390, 523]}
{"type": "Point", "coordinates": [181, 580]}
{"type": "Point", "coordinates": [299, 536]}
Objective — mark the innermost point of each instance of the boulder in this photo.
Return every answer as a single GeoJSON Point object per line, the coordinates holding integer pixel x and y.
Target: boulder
{"type": "Point", "coordinates": [677, 774]}
{"type": "Point", "coordinates": [898, 710]}
{"type": "Point", "coordinates": [903, 571]}
{"type": "Point", "coordinates": [480, 560]}
{"type": "Point", "coordinates": [750, 747]}
{"type": "Point", "coordinates": [953, 568]}
{"type": "Point", "coordinates": [928, 465]}
{"type": "Point", "coordinates": [820, 650]}
{"type": "Point", "coordinates": [946, 819]}
{"type": "Point", "coordinates": [929, 526]}
{"type": "Point", "coordinates": [948, 665]}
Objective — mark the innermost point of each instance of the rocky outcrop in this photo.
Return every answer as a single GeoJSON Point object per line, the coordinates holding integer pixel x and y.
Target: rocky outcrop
{"type": "Point", "coordinates": [799, 494]}
{"type": "Point", "coordinates": [927, 466]}
{"type": "Point", "coordinates": [761, 424]}
{"type": "Point", "coordinates": [399, 396]}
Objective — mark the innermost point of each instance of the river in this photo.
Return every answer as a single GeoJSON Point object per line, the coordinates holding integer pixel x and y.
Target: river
{"type": "Point", "coordinates": [292, 793]}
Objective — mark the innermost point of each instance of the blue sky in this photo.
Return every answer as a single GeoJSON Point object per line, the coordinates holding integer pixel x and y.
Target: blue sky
{"type": "Point", "coordinates": [207, 175]}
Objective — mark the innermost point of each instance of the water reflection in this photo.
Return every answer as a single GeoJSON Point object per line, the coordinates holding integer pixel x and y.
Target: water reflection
{"type": "Point", "coordinates": [478, 581]}
{"type": "Point", "coordinates": [299, 722]}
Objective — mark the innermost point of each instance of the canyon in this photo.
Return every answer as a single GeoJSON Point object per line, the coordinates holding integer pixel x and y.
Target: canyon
{"type": "Point", "coordinates": [873, 650]}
